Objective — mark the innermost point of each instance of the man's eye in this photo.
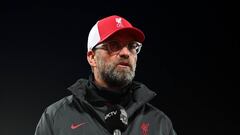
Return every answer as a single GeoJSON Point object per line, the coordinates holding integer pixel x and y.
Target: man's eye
{"type": "Point", "coordinates": [114, 46]}
{"type": "Point", "coordinates": [133, 46]}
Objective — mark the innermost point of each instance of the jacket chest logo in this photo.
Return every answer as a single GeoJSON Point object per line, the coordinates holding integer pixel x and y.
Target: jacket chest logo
{"type": "Point", "coordinates": [144, 128]}
{"type": "Point", "coordinates": [75, 126]}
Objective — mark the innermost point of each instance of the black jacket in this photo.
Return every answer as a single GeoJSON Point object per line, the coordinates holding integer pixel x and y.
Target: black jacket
{"type": "Point", "coordinates": [82, 113]}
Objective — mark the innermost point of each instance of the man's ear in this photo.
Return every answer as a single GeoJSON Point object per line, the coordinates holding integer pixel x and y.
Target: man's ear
{"type": "Point", "coordinates": [91, 58]}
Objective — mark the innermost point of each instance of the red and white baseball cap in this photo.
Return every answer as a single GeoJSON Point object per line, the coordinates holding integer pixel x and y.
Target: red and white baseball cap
{"type": "Point", "coordinates": [108, 26]}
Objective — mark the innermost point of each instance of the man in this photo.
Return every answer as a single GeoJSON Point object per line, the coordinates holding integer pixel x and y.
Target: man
{"type": "Point", "coordinates": [113, 46]}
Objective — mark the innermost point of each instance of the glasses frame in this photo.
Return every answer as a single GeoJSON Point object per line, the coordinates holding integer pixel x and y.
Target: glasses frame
{"type": "Point", "coordinates": [106, 46]}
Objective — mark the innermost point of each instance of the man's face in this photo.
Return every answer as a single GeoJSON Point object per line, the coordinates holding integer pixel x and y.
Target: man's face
{"type": "Point", "coordinates": [116, 69]}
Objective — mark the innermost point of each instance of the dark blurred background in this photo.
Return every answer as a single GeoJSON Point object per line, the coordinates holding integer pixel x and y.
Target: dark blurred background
{"type": "Point", "coordinates": [190, 58]}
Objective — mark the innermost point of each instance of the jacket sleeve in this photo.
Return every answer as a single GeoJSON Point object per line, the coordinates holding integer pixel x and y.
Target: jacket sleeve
{"type": "Point", "coordinates": [45, 125]}
{"type": "Point", "coordinates": [167, 127]}
{"type": "Point", "coordinates": [172, 132]}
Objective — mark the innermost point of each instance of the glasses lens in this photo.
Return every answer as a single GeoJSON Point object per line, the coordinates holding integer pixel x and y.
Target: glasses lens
{"type": "Point", "coordinates": [134, 47]}
{"type": "Point", "coordinates": [114, 46]}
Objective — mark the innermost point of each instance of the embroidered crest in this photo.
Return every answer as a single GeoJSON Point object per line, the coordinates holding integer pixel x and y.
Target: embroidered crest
{"type": "Point", "coordinates": [119, 22]}
{"type": "Point", "coordinates": [144, 128]}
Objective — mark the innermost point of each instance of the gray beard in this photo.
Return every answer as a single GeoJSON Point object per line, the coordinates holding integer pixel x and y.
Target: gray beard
{"type": "Point", "coordinates": [116, 77]}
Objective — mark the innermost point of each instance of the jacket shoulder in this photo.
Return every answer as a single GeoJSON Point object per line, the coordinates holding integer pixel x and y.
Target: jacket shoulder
{"type": "Point", "coordinates": [150, 107]}
{"type": "Point", "coordinates": [53, 109]}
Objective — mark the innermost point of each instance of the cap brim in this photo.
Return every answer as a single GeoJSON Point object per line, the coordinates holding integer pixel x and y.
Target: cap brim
{"type": "Point", "coordinates": [135, 32]}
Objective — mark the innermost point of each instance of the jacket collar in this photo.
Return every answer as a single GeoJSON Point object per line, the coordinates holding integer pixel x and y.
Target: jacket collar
{"type": "Point", "coordinates": [141, 93]}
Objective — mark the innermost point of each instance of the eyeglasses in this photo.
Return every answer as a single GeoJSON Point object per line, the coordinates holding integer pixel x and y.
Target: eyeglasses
{"type": "Point", "coordinates": [114, 46]}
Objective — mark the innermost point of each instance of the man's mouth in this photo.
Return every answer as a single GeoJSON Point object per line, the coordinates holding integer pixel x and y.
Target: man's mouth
{"type": "Point", "coordinates": [124, 64]}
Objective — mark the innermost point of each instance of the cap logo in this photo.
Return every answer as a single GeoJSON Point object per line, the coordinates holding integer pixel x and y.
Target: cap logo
{"type": "Point", "coordinates": [119, 22]}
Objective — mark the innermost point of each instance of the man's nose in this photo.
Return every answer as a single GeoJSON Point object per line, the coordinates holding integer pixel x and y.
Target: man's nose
{"type": "Point", "coordinates": [124, 52]}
